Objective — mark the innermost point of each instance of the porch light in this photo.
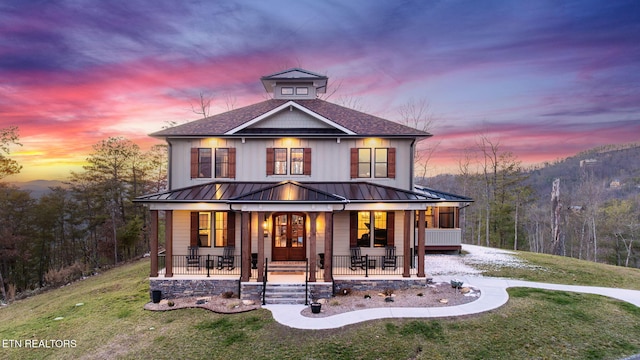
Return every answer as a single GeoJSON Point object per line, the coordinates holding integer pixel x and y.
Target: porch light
{"type": "Point", "coordinates": [264, 227]}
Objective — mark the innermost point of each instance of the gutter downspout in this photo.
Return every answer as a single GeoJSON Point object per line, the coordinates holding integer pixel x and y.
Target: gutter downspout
{"type": "Point", "coordinates": [411, 165]}
{"type": "Point", "coordinates": [169, 167]}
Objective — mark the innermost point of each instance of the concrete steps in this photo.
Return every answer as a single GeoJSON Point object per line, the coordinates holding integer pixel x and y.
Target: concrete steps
{"type": "Point", "coordinates": [287, 267]}
{"type": "Point", "coordinates": [285, 294]}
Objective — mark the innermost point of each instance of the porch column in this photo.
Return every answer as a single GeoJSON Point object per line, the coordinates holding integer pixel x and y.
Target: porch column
{"type": "Point", "coordinates": [153, 242]}
{"type": "Point", "coordinates": [262, 218]}
{"type": "Point", "coordinates": [245, 254]}
{"type": "Point", "coordinates": [421, 239]}
{"type": "Point", "coordinates": [312, 246]}
{"type": "Point", "coordinates": [328, 246]}
{"type": "Point", "coordinates": [406, 272]}
{"type": "Point", "coordinates": [168, 243]}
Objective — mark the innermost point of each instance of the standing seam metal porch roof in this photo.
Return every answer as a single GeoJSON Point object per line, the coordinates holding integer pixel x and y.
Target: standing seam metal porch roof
{"type": "Point", "coordinates": [287, 192]}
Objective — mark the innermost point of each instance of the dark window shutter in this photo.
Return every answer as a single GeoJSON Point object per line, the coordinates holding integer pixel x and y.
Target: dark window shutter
{"type": "Point", "coordinates": [391, 227]}
{"type": "Point", "coordinates": [270, 161]}
{"type": "Point", "coordinates": [353, 229]}
{"type": "Point", "coordinates": [306, 161]}
{"type": "Point", "coordinates": [194, 163]}
{"type": "Point", "coordinates": [195, 231]}
{"type": "Point", "coordinates": [232, 163]}
{"type": "Point", "coordinates": [391, 163]}
{"type": "Point", "coordinates": [354, 163]}
{"type": "Point", "coordinates": [231, 228]}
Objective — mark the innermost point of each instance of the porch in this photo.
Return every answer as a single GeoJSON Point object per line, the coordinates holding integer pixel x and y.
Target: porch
{"type": "Point", "coordinates": [208, 266]}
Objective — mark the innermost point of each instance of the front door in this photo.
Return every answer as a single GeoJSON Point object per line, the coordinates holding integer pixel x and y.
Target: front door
{"type": "Point", "coordinates": [289, 238]}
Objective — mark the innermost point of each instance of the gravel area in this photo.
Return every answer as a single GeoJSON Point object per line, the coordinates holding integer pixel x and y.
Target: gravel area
{"type": "Point", "coordinates": [433, 295]}
{"type": "Point", "coordinates": [467, 264]}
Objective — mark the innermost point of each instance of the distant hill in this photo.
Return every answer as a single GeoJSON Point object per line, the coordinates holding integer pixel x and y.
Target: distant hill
{"type": "Point", "coordinates": [38, 187]}
{"type": "Point", "coordinates": [615, 168]}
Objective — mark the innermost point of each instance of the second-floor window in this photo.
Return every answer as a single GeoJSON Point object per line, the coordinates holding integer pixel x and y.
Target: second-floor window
{"type": "Point", "coordinates": [376, 163]}
{"type": "Point", "coordinates": [201, 167]}
{"type": "Point", "coordinates": [203, 163]}
{"type": "Point", "coordinates": [222, 163]}
{"type": "Point", "coordinates": [364, 163]}
{"type": "Point", "coordinates": [297, 161]}
{"type": "Point", "coordinates": [280, 162]}
{"type": "Point", "coordinates": [283, 161]}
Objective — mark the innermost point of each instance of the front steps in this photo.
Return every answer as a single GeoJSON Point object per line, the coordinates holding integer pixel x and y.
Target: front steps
{"type": "Point", "coordinates": [287, 267]}
{"type": "Point", "coordinates": [285, 294]}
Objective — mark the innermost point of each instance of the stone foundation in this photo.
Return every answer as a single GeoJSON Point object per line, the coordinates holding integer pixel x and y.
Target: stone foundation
{"type": "Point", "coordinates": [172, 289]}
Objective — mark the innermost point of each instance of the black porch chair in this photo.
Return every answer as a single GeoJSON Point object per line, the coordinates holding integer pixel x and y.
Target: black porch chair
{"type": "Point", "coordinates": [193, 259]}
{"type": "Point", "coordinates": [226, 259]}
{"type": "Point", "coordinates": [389, 259]}
{"type": "Point", "coordinates": [357, 260]}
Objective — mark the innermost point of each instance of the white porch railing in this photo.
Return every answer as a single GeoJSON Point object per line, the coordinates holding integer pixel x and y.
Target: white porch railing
{"type": "Point", "coordinates": [442, 237]}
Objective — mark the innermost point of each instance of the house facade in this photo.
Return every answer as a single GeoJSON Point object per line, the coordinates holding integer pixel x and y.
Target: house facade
{"type": "Point", "coordinates": [294, 185]}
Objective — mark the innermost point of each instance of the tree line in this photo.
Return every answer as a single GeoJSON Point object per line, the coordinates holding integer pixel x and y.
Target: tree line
{"type": "Point", "coordinates": [89, 223]}
{"type": "Point", "coordinates": [570, 208]}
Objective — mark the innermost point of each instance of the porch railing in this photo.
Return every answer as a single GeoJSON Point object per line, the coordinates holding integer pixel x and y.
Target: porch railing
{"type": "Point", "coordinates": [208, 265]}
{"type": "Point", "coordinates": [372, 266]}
{"type": "Point", "coordinates": [341, 266]}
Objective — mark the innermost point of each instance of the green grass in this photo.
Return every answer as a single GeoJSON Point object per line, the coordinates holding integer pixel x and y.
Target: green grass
{"type": "Point", "coordinates": [535, 323]}
{"type": "Point", "coordinates": [564, 270]}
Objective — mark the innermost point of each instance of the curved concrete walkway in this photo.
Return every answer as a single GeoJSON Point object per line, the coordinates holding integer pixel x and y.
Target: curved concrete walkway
{"type": "Point", "coordinates": [493, 294]}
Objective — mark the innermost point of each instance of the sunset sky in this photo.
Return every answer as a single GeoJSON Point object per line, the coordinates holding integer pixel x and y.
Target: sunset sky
{"type": "Point", "coordinates": [546, 79]}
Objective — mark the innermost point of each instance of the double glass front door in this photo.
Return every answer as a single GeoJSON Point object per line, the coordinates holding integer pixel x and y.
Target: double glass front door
{"type": "Point", "coordinates": [289, 237]}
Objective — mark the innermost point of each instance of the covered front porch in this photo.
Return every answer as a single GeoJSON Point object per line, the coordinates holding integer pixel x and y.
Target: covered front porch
{"type": "Point", "coordinates": [231, 234]}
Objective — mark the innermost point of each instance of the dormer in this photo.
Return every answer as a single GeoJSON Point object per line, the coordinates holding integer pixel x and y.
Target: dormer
{"type": "Point", "coordinates": [295, 84]}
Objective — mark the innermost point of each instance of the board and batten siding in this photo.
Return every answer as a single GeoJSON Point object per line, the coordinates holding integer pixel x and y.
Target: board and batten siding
{"type": "Point", "coordinates": [330, 159]}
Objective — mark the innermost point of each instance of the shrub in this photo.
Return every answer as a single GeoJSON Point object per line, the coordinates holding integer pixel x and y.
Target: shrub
{"type": "Point", "coordinates": [227, 294]}
{"type": "Point", "coordinates": [64, 275]}
{"type": "Point", "coordinates": [388, 292]}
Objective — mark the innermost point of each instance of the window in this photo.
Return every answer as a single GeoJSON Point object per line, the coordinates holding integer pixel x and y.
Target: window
{"type": "Point", "coordinates": [221, 228]}
{"type": "Point", "coordinates": [381, 163]}
{"type": "Point", "coordinates": [204, 229]}
{"type": "Point", "coordinates": [222, 163]}
{"type": "Point", "coordinates": [302, 91]}
{"type": "Point", "coordinates": [446, 217]}
{"type": "Point", "coordinates": [380, 230]}
{"type": "Point", "coordinates": [209, 227]}
{"type": "Point", "coordinates": [428, 218]}
{"type": "Point", "coordinates": [297, 161]}
{"type": "Point", "coordinates": [277, 161]}
{"type": "Point", "coordinates": [280, 162]}
{"type": "Point", "coordinates": [288, 90]}
{"type": "Point", "coordinates": [201, 163]}
{"type": "Point", "coordinates": [364, 163]}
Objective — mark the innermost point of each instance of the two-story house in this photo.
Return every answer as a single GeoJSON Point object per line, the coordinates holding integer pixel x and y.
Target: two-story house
{"type": "Point", "coordinates": [294, 185]}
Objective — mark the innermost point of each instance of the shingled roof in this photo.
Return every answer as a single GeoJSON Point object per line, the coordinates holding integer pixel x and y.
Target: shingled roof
{"type": "Point", "coordinates": [361, 124]}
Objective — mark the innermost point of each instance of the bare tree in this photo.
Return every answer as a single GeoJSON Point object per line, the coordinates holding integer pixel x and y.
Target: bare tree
{"type": "Point", "coordinates": [203, 105]}
{"type": "Point", "coordinates": [417, 114]}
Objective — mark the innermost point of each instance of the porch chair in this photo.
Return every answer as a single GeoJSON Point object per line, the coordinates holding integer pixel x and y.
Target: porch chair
{"type": "Point", "coordinates": [226, 259]}
{"type": "Point", "coordinates": [357, 260]}
{"type": "Point", "coordinates": [193, 259]}
{"type": "Point", "coordinates": [389, 258]}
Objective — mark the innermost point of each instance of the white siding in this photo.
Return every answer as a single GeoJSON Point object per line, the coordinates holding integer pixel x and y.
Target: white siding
{"type": "Point", "coordinates": [330, 159]}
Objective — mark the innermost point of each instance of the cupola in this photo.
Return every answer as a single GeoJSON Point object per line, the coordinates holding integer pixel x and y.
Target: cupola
{"type": "Point", "coordinates": [295, 84]}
